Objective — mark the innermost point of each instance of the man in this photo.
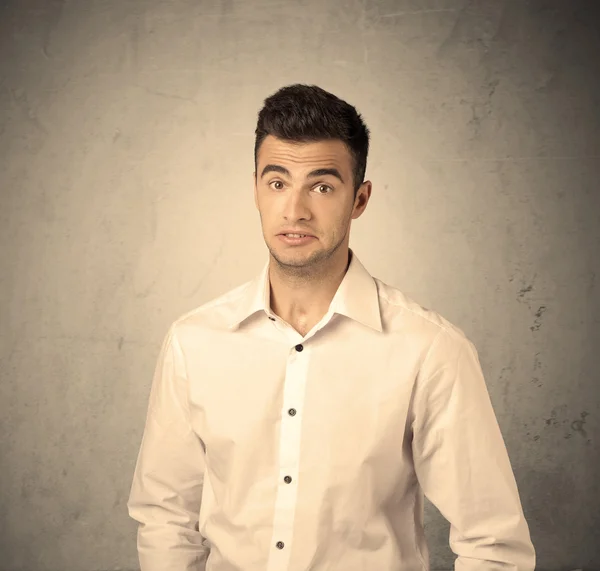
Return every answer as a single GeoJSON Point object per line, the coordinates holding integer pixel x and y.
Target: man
{"type": "Point", "coordinates": [295, 422]}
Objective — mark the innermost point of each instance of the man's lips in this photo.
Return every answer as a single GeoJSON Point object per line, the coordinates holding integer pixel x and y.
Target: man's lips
{"type": "Point", "coordinates": [300, 233]}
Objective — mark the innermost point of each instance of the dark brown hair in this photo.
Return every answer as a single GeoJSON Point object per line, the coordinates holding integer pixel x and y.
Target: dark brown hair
{"type": "Point", "coordinates": [307, 113]}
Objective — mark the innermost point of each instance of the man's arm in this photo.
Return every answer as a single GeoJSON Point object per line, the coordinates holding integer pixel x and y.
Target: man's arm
{"type": "Point", "coordinates": [168, 481]}
{"type": "Point", "coordinates": [462, 463]}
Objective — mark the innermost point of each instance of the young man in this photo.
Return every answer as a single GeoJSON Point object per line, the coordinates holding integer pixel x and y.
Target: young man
{"type": "Point", "coordinates": [295, 422]}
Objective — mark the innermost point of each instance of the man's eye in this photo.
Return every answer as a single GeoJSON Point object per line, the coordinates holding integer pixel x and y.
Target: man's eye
{"type": "Point", "coordinates": [320, 186]}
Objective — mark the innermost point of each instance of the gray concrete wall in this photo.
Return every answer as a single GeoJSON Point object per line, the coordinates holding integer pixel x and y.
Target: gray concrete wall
{"type": "Point", "coordinates": [126, 136]}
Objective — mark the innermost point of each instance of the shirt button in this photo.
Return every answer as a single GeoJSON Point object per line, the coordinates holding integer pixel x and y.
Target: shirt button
{"type": "Point", "coordinates": [287, 479]}
{"type": "Point", "coordinates": [271, 318]}
{"type": "Point", "coordinates": [279, 545]}
{"type": "Point", "coordinates": [299, 348]}
{"type": "Point", "coordinates": [292, 412]}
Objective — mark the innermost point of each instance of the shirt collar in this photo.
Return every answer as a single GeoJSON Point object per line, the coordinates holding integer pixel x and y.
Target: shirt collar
{"type": "Point", "coordinates": [356, 297]}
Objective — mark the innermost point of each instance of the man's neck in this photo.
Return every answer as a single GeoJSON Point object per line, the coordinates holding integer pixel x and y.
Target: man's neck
{"type": "Point", "coordinates": [305, 298]}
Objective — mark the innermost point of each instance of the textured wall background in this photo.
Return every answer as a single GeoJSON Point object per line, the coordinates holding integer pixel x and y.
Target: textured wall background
{"type": "Point", "coordinates": [126, 137]}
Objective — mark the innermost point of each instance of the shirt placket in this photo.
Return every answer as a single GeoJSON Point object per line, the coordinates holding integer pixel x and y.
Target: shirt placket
{"type": "Point", "coordinates": [289, 457]}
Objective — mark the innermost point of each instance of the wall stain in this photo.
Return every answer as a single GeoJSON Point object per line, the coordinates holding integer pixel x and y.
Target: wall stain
{"type": "Point", "coordinates": [554, 414]}
{"type": "Point", "coordinates": [521, 293]}
{"type": "Point", "coordinates": [535, 381]}
{"type": "Point", "coordinates": [148, 290]}
{"type": "Point", "coordinates": [577, 425]}
{"type": "Point", "coordinates": [53, 14]}
{"type": "Point", "coordinates": [574, 425]}
{"type": "Point", "coordinates": [166, 95]}
{"type": "Point", "coordinates": [536, 365]}
{"type": "Point", "coordinates": [483, 109]}
{"type": "Point", "coordinates": [28, 109]}
{"type": "Point", "coordinates": [538, 315]}
{"type": "Point", "coordinates": [505, 384]}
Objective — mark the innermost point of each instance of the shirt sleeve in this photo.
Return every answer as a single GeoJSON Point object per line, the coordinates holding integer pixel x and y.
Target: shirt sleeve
{"type": "Point", "coordinates": [462, 463]}
{"type": "Point", "coordinates": [168, 480]}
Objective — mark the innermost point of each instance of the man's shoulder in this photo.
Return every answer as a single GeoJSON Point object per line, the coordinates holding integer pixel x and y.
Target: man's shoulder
{"type": "Point", "coordinates": [213, 312]}
{"type": "Point", "coordinates": [403, 310]}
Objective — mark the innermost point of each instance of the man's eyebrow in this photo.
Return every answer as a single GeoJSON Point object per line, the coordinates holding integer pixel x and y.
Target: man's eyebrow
{"type": "Point", "coordinates": [317, 172]}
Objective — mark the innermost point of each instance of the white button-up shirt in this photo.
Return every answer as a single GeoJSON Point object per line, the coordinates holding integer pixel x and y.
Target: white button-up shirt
{"type": "Point", "coordinates": [264, 450]}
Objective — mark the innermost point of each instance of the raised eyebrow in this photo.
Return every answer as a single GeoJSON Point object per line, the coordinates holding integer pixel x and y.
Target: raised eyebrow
{"type": "Point", "coordinates": [317, 172]}
{"type": "Point", "coordinates": [324, 172]}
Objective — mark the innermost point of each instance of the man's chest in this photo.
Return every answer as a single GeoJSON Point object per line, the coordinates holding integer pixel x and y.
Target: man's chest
{"type": "Point", "coordinates": [326, 408]}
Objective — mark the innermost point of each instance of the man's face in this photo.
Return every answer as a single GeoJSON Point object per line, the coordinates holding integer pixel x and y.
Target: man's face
{"type": "Point", "coordinates": [321, 205]}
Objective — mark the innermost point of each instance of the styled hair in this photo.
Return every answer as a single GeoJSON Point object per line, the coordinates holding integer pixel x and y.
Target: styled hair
{"type": "Point", "coordinates": [307, 113]}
